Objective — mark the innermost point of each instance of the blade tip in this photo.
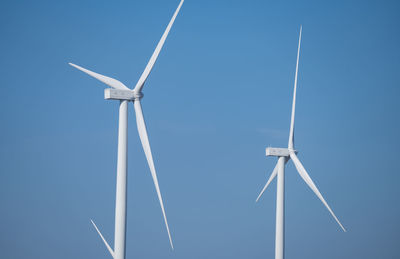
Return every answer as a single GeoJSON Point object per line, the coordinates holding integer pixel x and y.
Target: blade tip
{"type": "Point", "coordinates": [73, 65]}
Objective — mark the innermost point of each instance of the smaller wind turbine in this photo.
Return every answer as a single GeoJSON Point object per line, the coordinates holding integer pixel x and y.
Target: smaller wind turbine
{"type": "Point", "coordinates": [284, 155]}
{"type": "Point", "coordinates": [118, 91]}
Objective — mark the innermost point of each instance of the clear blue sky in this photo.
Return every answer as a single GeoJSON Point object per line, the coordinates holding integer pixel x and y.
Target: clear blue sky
{"type": "Point", "coordinates": [219, 94]}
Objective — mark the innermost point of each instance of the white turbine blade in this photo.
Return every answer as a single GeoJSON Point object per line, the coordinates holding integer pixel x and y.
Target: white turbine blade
{"type": "Point", "coordinates": [152, 61]}
{"type": "Point", "coordinates": [105, 79]}
{"type": "Point", "coordinates": [291, 134]}
{"type": "Point", "coordinates": [274, 173]}
{"type": "Point", "coordinates": [303, 173]}
{"type": "Point", "coordinates": [141, 125]}
{"type": "Point", "coordinates": [104, 240]}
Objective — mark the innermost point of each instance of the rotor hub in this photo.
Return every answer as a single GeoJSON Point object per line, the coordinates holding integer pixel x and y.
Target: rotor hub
{"type": "Point", "coordinates": [138, 95]}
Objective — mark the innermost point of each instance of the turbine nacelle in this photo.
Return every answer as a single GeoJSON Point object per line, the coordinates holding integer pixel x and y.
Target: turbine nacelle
{"type": "Point", "coordinates": [118, 94]}
{"type": "Point", "coordinates": [278, 152]}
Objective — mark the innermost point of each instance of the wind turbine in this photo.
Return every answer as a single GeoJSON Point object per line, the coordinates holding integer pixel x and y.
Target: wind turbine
{"type": "Point", "coordinates": [284, 155]}
{"type": "Point", "coordinates": [119, 91]}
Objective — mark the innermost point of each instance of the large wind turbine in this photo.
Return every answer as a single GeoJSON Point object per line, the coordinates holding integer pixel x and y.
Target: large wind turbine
{"type": "Point", "coordinates": [119, 91]}
{"type": "Point", "coordinates": [284, 155]}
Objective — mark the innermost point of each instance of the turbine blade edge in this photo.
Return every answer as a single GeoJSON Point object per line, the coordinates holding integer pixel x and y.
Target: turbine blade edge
{"type": "Point", "coordinates": [105, 79]}
{"type": "Point", "coordinates": [303, 173]}
{"type": "Point", "coordinates": [272, 176]}
{"type": "Point", "coordinates": [141, 125]}
{"type": "Point", "coordinates": [153, 59]}
{"type": "Point", "coordinates": [291, 134]}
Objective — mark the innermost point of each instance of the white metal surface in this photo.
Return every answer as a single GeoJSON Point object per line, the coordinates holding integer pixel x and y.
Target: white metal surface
{"type": "Point", "coordinates": [117, 94]}
{"type": "Point", "coordinates": [280, 210]}
{"type": "Point", "coordinates": [120, 201]}
{"type": "Point", "coordinates": [275, 151]}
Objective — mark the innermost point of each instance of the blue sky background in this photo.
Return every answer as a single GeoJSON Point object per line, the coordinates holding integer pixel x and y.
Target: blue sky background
{"type": "Point", "coordinates": [219, 94]}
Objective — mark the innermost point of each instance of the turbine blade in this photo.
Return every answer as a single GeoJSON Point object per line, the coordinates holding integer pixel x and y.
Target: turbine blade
{"type": "Point", "coordinates": [274, 173]}
{"type": "Point", "coordinates": [303, 173]}
{"type": "Point", "coordinates": [152, 61]}
{"type": "Point", "coordinates": [291, 134]}
{"type": "Point", "coordinates": [104, 240]}
{"type": "Point", "coordinates": [141, 125]}
{"type": "Point", "coordinates": [105, 79]}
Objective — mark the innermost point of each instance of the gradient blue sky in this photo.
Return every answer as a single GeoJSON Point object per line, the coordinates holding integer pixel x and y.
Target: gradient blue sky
{"type": "Point", "coordinates": [219, 94]}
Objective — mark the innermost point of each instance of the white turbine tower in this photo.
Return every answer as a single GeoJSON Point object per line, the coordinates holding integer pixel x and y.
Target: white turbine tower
{"type": "Point", "coordinates": [119, 91]}
{"type": "Point", "coordinates": [284, 155]}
